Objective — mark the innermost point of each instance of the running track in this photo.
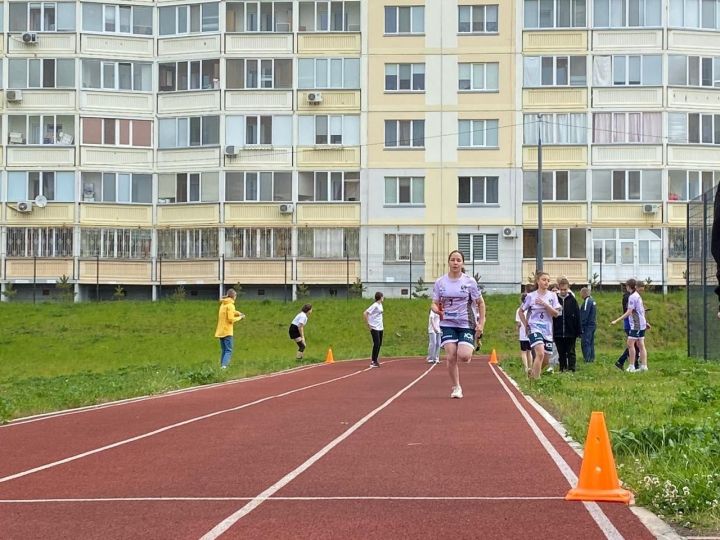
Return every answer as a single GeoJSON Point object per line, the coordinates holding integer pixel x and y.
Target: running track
{"type": "Point", "coordinates": [324, 451]}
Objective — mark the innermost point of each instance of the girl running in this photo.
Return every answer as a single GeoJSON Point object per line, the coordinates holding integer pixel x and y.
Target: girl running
{"type": "Point", "coordinates": [374, 319]}
{"type": "Point", "coordinates": [458, 302]}
{"type": "Point", "coordinates": [541, 306]}
{"type": "Point", "coordinates": [522, 336]}
{"type": "Point", "coordinates": [297, 329]}
{"type": "Point", "coordinates": [638, 324]}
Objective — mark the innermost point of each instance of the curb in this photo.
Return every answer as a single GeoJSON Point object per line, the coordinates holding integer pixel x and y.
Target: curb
{"type": "Point", "coordinates": [659, 528]}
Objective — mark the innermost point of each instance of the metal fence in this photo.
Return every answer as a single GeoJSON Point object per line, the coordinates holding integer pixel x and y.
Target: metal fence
{"type": "Point", "coordinates": [703, 326]}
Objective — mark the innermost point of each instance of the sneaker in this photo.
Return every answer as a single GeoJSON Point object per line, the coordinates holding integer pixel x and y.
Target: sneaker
{"type": "Point", "coordinates": [457, 393]}
{"type": "Point", "coordinates": [374, 364]}
{"type": "Point", "coordinates": [642, 368]}
{"type": "Point", "coordinates": [299, 356]}
{"type": "Point", "coordinates": [619, 366]}
{"type": "Point", "coordinates": [436, 361]}
{"type": "Point", "coordinates": [631, 369]}
{"type": "Point", "coordinates": [549, 370]}
{"type": "Point", "coordinates": [430, 361]}
{"type": "Point", "coordinates": [223, 367]}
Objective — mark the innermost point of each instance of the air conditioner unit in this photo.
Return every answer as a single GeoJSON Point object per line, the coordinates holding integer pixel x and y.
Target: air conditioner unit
{"type": "Point", "coordinates": [650, 208]}
{"type": "Point", "coordinates": [232, 150]}
{"type": "Point", "coordinates": [314, 97]}
{"type": "Point", "coordinates": [24, 206]}
{"type": "Point", "coordinates": [509, 232]}
{"type": "Point", "coordinates": [30, 38]}
{"type": "Point", "coordinates": [286, 208]}
{"type": "Point", "coordinates": [13, 95]}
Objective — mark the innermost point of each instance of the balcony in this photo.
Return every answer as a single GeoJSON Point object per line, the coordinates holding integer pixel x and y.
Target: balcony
{"type": "Point", "coordinates": [575, 214]}
{"type": "Point", "coordinates": [328, 157]}
{"type": "Point", "coordinates": [188, 214]}
{"type": "Point", "coordinates": [630, 98]}
{"type": "Point", "coordinates": [556, 157]}
{"type": "Point", "coordinates": [337, 214]}
{"type": "Point", "coordinates": [676, 273]}
{"type": "Point", "coordinates": [194, 158]}
{"type": "Point", "coordinates": [341, 44]}
{"type": "Point", "coordinates": [52, 214]}
{"type": "Point", "coordinates": [205, 44]}
{"type": "Point", "coordinates": [45, 156]}
{"type": "Point", "coordinates": [258, 100]}
{"type": "Point", "coordinates": [633, 39]}
{"type": "Point", "coordinates": [55, 100]}
{"type": "Point", "coordinates": [552, 41]}
{"type": "Point", "coordinates": [257, 271]}
{"type": "Point", "coordinates": [104, 101]}
{"type": "Point", "coordinates": [626, 214]}
{"type": "Point", "coordinates": [189, 272]}
{"type": "Point", "coordinates": [628, 155]}
{"type": "Point", "coordinates": [262, 156]}
{"type": "Point", "coordinates": [48, 44]}
{"type": "Point", "coordinates": [693, 98]}
{"type": "Point", "coordinates": [332, 100]}
{"type": "Point", "coordinates": [120, 215]}
{"type": "Point", "coordinates": [255, 213]}
{"type": "Point", "coordinates": [48, 270]}
{"type": "Point", "coordinates": [327, 271]}
{"type": "Point", "coordinates": [110, 46]}
{"type": "Point", "coordinates": [693, 156]}
{"type": "Point", "coordinates": [693, 40]}
{"type": "Point", "coordinates": [259, 44]}
{"type": "Point", "coordinates": [196, 101]}
{"type": "Point", "coordinates": [555, 98]}
{"type": "Point", "coordinates": [576, 271]}
{"type": "Point", "coordinates": [124, 159]}
{"type": "Point", "coordinates": [116, 272]}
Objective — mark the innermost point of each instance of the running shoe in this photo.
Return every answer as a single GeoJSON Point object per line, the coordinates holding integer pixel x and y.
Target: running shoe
{"type": "Point", "coordinates": [549, 370]}
{"type": "Point", "coordinates": [642, 368]}
{"type": "Point", "coordinates": [374, 364]}
{"type": "Point", "coordinates": [299, 356]}
{"type": "Point", "coordinates": [436, 361]}
{"type": "Point", "coordinates": [430, 361]}
{"type": "Point", "coordinates": [457, 393]}
{"type": "Point", "coordinates": [619, 366]}
{"type": "Point", "coordinates": [631, 369]}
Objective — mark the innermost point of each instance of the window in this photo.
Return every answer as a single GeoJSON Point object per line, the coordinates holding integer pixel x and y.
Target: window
{"type": "Point", "coordinates": [480, 19]}
{"type": "Point", "coordinates": [555, 13]}
{"type": "Point", "coordinates": [328, 243]}
{"type": "Point", "coordinates": [643, 185]}
{"type": "Point", "coordinates": [27, 185]}
{"type": "Point", "coordinates": [401, 247]}
{"type": "Point", "coordinates": [185, 131]}
{"type": "Point", "coordinates": [557, 243]}
{"type": "Point", "coordinates": [474, 190]}
{"type": "Point", "coordinates": [556, 128]}
{"type": "Point", "coordinates": [265, 243]}
{"type": "Point", "coordinates": [117, 131]}
{"type": "Point", "coordinates": [116, 187]}
{"type": "Point", "coordinates": [694, 14]}
{"type": "Point", "coordinates": [678, 243]}
{"type": "Point", "coordinates": [111, 75]}
{"type": "Point", "coordinates": [41, 73]}
{"type": "Point", "coordinates": [41, 129]}
{"type": "Point", "coordinates": [627, 246]}
{"type": "Point", "coordinates": [404, 133]}
{"type": "Point", "coordinates": [477, 133]}
{"type": "Point", "coordinates": [254, 16]}
{"type": "Point", "coordinates": [192, 75]}
{"type": "Point", "coordinates": [404, 190]}
{"type": "Point", "coordinates": [331, 186]}
{"type": "Point", "coordinates": [189, 19]}
{"type": "Point", "coordinates": [627, 127]}
{"type": "Point", "coordinates": [42, 16]}
{"type": "Point", "coordinates": [555, 71]}
{"type": "Point", "coordinates": [404, 19]}
{"type": "Point", "coordinates": [39, 242]}
{"type": "Point", "coordinates": [694, 128]}
{"type": "Point", "coordinates": [325, 16]}
{"type": "Point", "coordinates": [253, 130]}
{"type": "Point", "coordinates": [258, 186]}
{"type": "Point", "coordinates": [688, 185]}
{"type": "Point", "coordinates": [405, 77]}
{"type": "Point", "coordinates": [112, 18]}
{"type": "Point", "coordinates": [188, 187]}
{"type": "Point", "coordinates": [555, 185]}
{"type": "Point", "coordinates": [694, 70]}
{"type": "Point", "coordinates": [116, 243]}
{"type": "Point", "coordinates": [329, 129]}
{"type": "Point", "coordinates": [478, 77]}
{"type": "Point", "coordinates": [319, 73]}
{"type": "Point", "coordinates": [479, 247]}
{"type": "Point", "coordinates": [258, 73]}
{"type": "Point", "coordinates": [628, 70]}
{"type": "Point", "coordinates": [626, 13]}
{"type": "Point", "coordinates": [188, 243]}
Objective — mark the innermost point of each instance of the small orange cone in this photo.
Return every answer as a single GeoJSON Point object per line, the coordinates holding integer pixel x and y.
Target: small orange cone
{"type": "Point", "coordinates": [493, 357]}
{"type": "Point", "coordinates": [329, 357]}
{"type": "Point", "coordinates": [598, 478]}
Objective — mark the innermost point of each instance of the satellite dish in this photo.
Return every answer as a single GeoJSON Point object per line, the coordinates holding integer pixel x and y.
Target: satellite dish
{"type": "Point", "coordinates": [41, 201]}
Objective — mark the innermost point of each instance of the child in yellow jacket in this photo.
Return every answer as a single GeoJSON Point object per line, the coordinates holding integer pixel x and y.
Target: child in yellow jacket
{"type": "Point", "coordinates": [227, 317]}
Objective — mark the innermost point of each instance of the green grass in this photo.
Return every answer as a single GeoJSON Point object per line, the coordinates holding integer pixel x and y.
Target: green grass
{"type": "Point", "coordinates": [664, 424]}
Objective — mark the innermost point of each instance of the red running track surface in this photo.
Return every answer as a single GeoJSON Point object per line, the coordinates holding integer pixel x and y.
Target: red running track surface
{"type": "Point", "coordinates": [358, 453]}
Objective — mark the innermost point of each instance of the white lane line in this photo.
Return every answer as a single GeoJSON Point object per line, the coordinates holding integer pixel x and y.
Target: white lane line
{"type": "Point", "coordinates": [229, 521]}
{"type": "Point", "coordinates": [310, 499]}
{"type": "Point", "coordinates": [602, 521]}
{"type": "Point", "coordinates": [172, 426]}
{"type": "Point", "coordinates": [87, 408]}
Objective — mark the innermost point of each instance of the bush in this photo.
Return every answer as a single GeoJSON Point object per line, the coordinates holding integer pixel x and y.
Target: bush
{"type": "Point", "coordinates": [302, 291]}
{"type": "Point", "coordinates": [357, 288]}
{"type": "Point", "coordinates": [10, 291]}
{"type": "Point", "coordinates": [65, 288]}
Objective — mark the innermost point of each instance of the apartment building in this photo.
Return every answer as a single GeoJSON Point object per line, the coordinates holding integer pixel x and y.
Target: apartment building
{"type": "Point", "coordinates": [152, 144]}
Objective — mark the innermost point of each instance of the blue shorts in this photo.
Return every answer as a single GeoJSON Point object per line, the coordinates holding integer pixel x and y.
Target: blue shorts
{"type": "Point", "coordinates": [451, 334]}
{"type": "Point", "coordinates": [636, 334]}
{"type": "Point", "coordinates": [536, 337]}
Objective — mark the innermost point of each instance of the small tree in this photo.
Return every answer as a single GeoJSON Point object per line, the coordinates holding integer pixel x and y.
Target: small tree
{"type": "Point", "coordinates": [595, 280]}
{"type": "Point", "coordinates": [302, 291]}
{"type": "Point", "coordinates": [238, 289]}
{"type": "Point", "coordinates": [178, 294]}
{"type": "Point", "coordinates": [10, 291]}
{"type": "Point", "coordinates": [420, 289]}
{"type": "Point", "coordinates": [67, 289]}
{"type": "Point", "coordinates": [648, 284]}
{"type": "Point", "coordinates": [357, 288]}
{"type": "Point", "coordinates": [119, 293]}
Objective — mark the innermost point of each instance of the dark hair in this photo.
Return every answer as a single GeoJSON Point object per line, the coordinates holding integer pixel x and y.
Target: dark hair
{"type": "Point", "coordinates": [306, 308]}
{"type": "Point", "coordinates": [631, 283]}
{"type": "Point", "coordinates": [378, 296]}
{"type": "Point", "coordinates": [563, 281]}
{"type": "Point", "coordinates": [523, 296]}
{"type": "Point", "coordinates": [456, 251]}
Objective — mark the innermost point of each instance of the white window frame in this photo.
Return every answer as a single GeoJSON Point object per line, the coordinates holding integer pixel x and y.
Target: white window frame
{"type": "Point", "coordinates": [467, 71]}
{"type": "Point", "coordinates": [317, 68]}
{"type": "Point", "coordinates": [188, 9]}
{"type": "Point", "coordinates": [116, 75]}
{"type": "Point", "coordinates": [483, 133]}
{"type": "Point", "coordinates": [40, 62]}
{"type": "Point", "coordinates": [478, 188]}
{"type": "Point", "coordinates": [42, 125]}
{"type": "Point", "coordinates": [253, 182]}
{"type": "Point", "coordinates": [329, 27]}
{"type": "Point", "coordinates": [692, 136]}
{"type": "Point", "coordinates": [714, 62]}
{"type": "Point", "coordinates": [199, 86]}
{"type": "Point", "coordinates": [466, 15]}
{"type": "Point", "coordinates": [415, 69]}
{"type": "Point", "coordinates": [552, 180]}
{"type": "Point", "coordinates": [555, 14]}
{"type": "Point", "coordinates": [415, 187]}
{"type": "Point", "coordinates": [694, 183]}
{"type": "Point", "coordinates": [116, 10]}
{"type": "Point", "coordinates": [477, 247]}
{"type": "Point", "coordinates": [109, 243]}
{"type": "Point", "coordinates": [620, 128]}
{"type": "Point", "coordinates": [257, 242]}
{"type": "Point", "coordinates": [412, 240]}
{"type": "Point", "coordinates": [131, 132]}
{"type": "Point", "coordinates": [626, 13]}
{"type": "Point", "coordinates": [188, 131]}
{"type": "Point", "coordinates": [324, 242]}
{"type": "Point", "coordinates": [411, 141]}
{"type": "Point", "coordinates": [348, 181]}
{"type": "Point", "coordinates": [258, 62]}
{"type": "Point", "coordinates": [570, 63]}
{"type": "Point", "coordinates": [115, 177]}
{"type": "Point", "coordinates": [414, 11]}
{"type": "Point", "coordinates": [682, 10]}
{"type": "Point", "coordinates": [553, 126]}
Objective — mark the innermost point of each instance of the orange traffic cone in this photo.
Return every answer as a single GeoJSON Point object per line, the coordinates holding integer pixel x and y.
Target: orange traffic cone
{"type": "Point", "coordinates": [329, 357]}
{"type": "Point", "coordinates": [598, 478]}
{"type": "Point", "coordinates": [493, 357]}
